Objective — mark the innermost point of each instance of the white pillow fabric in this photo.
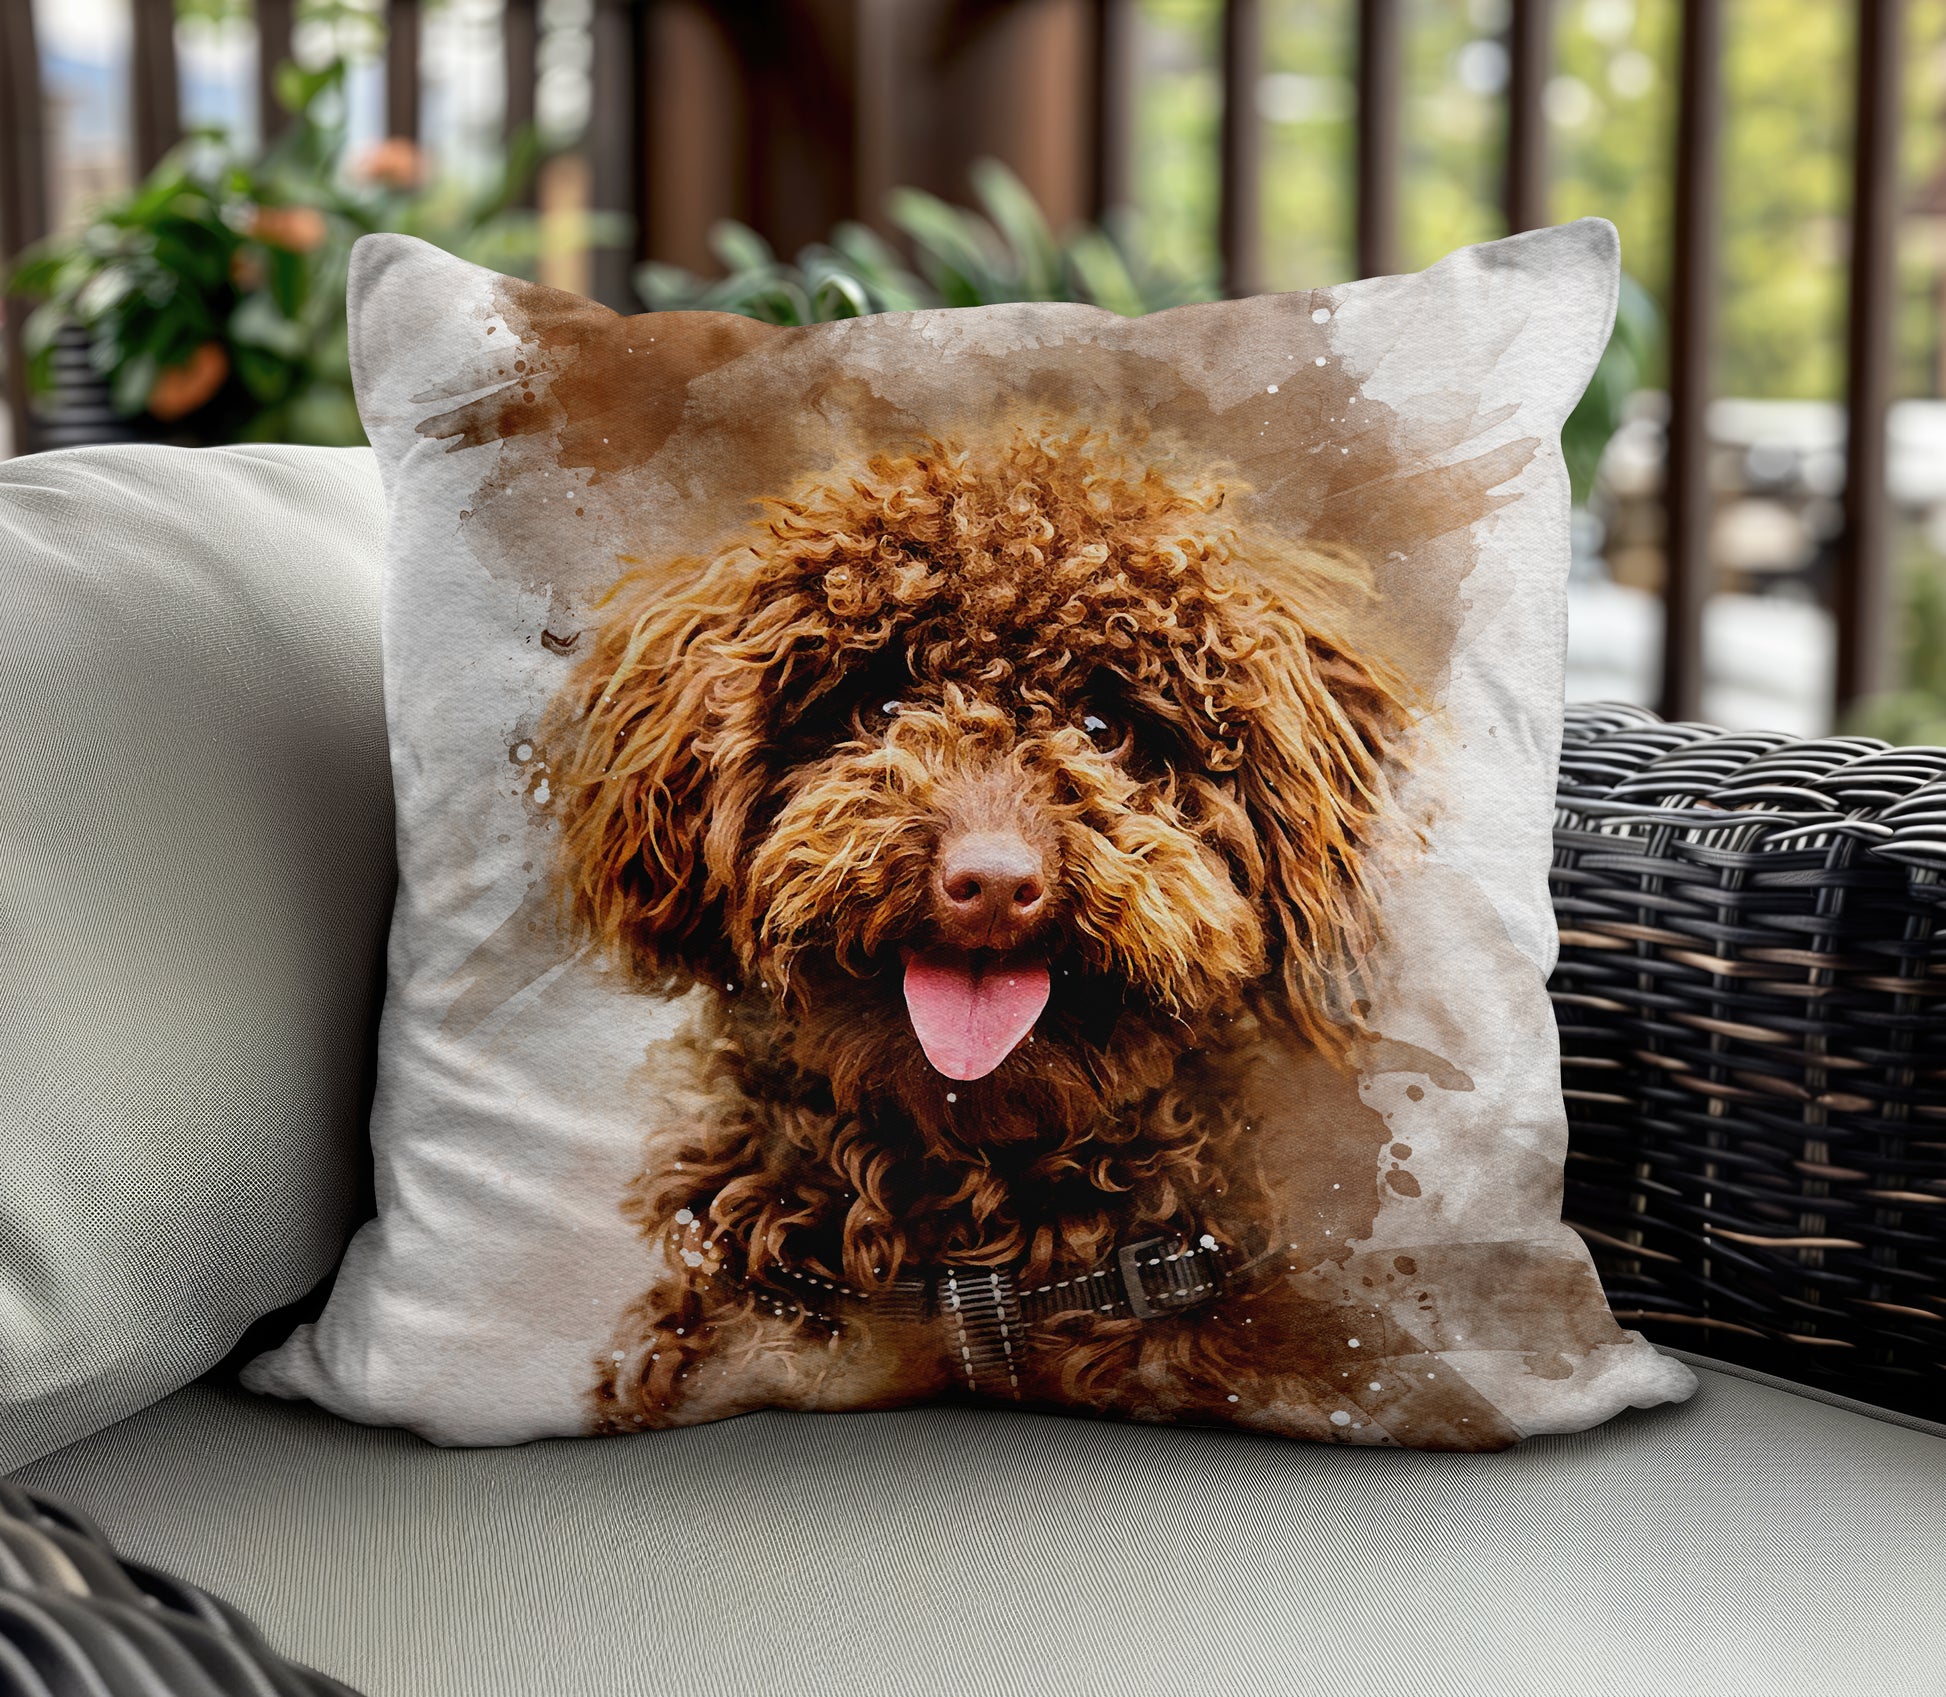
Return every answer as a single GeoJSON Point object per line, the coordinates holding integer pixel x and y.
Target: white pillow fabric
{"type": "Point", "coordinates": [996, 852]}
{"type": "Point", "coordinates": [195, 874]}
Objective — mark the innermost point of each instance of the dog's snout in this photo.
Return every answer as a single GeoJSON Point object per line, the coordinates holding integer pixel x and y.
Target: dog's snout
{"type": "Point", "coordinates": [991, 887]}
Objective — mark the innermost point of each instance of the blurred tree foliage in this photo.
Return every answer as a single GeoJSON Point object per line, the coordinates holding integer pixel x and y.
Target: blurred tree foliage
{"type": "Point", "coordinates": [1611, 109]}
{"type": "Point", "coordinates": [1916, 712]}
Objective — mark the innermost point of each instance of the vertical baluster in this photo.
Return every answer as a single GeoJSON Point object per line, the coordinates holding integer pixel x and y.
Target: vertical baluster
{"type": "Point", "coordinates": [1864, 591]}
{"type": "Point", "coordinates": [1530, 60]}
{"type": "Point", "coordinates": [23, 185]}
{"type": "Point", "coordinates": [1381, 50]}
{"type": "Point", "coordinates": [617, 180]}
{"type": "Point", "coordinates": [1239, 216]}
{"type": "Point", "coordinates": [402, 26]}
{"type": "Point", "coordinates": [1114, 96]}
{"type": "Point", "coordinates": [275, 19]}
{"type": "Point", "coordinates": [155, 100]}
{"type": "Point", "coordinates": [520, 28]}
{"type": "Point", "coordinates": [1692, 338]}
{"type": "Point", "coordinates": [878, 128]}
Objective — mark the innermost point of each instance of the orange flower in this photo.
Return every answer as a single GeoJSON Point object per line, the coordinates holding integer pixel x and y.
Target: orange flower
{"type": "Point", "coordinates": [394, 163]}
{"type": "Point", "coordinates": [296, 229]}
{"type": "Point", "coordinates": [181, 389]}
{"type": "Point", "coordinates": [246, 270]}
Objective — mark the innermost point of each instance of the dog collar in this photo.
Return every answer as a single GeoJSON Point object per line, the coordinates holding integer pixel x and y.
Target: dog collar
{"type": "Point", "coordinates": [989, 1311]}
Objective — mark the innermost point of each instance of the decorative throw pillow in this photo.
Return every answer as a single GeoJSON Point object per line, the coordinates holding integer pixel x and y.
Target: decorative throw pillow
{"type": "Point", "coordinates": [994, 852]}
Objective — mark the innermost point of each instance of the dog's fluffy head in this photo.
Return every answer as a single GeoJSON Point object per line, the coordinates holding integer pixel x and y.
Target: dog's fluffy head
{"type": "Point", "coordinates": [765, 759]}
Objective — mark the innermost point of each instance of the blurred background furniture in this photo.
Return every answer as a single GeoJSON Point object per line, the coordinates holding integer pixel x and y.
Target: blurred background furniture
{"type": "Point", "coordinates": [1763, 538]}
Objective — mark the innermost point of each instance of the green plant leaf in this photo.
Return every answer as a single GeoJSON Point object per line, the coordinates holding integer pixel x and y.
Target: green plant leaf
{"type": "Point", "coordinates": [298, 89]}
{"type": "Point", "coordinates": [665, 288]}
{"type": "Point", "coordinates": [1632, 346]}
{"type": "Point", "coordinates": [834, 291]}
{"type": "Point", "coordinates": [1036, 259]}
{"type": "Point", "coordinates": [257, 323]}
{"type": "Point", "coordinates": [266, 373]}
{"type": "Point", "coordinates": [959, 253]}
{"type": "Point", "coordinates": [1102, 276]}
{"type": "Point", "coordinates": [739, 247]}
{"type": "Point", "coordinates": [43, 327]}
{"type": "Point", "coordinates": [36, 274]}
{"type": "Point", "coordinates": [102, 292]}
{"type": "Point", "coordinates": [324, 415]}
{"type": "Point", "coordinates": [129, 389]}
{"type": "Point", "coordinates": [876, 264]}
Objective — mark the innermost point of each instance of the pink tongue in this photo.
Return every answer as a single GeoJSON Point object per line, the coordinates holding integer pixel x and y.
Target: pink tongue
{"type": "Point", "coordinates": [968, 1017]}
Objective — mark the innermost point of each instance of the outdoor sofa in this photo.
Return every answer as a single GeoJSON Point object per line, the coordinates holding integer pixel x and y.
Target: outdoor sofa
{"type": "Point", "coordinates": [195, 872]}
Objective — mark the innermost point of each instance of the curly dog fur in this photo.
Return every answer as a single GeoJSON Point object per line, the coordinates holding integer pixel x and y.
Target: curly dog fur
{"type": "Point", "coordinates": [757, 770]}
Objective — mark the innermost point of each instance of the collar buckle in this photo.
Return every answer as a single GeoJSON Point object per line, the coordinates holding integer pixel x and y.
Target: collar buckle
{"type": "Point", "coordinates": [1184, 1281]}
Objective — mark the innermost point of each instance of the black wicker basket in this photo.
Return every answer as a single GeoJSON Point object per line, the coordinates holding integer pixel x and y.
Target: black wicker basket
{"type": "Point", "coordinates": [1752, 1004]}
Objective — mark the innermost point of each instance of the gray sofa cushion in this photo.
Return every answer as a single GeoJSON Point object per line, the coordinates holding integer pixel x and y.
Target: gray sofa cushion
{"type": "Point", "coordinates": [195, 872]}
{"type": "Point", "coordinates": [1751, 1541]}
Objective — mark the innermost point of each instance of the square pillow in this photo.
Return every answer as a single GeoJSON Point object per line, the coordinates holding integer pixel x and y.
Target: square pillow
{"type": "Point", "coordinates": [992, 853]}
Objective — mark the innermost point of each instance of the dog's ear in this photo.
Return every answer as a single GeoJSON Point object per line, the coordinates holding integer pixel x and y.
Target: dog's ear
{"type": "Point", "coordinates": [654, 751]}
{"type": "Point", "coordinates": [1317, 733]}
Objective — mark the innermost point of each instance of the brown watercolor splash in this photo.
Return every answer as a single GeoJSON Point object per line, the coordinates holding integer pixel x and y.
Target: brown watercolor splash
{"type": "Point", "coordinates": [657, 428]}
{"type": "Point", "coordinates": [1379, 1054]}
{"type": "Point", "coordinates": [1505, 1295]}
{"type": "Point", "coordinates": [601, 392]}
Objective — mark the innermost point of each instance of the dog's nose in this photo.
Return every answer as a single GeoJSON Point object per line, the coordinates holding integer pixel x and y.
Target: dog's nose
{"type": "Point", "coordinates": [991, 886]}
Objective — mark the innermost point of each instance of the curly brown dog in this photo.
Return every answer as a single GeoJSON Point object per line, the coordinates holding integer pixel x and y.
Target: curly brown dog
{"type": "Point", "coordinates": [996, 799]}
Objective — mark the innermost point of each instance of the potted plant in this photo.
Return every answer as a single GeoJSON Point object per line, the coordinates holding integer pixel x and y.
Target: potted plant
{"type": "Point", "coordinates": [211, 297]}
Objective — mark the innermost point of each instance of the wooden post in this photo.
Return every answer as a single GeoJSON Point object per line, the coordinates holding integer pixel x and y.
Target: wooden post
{"type": "Point", "coordinates": [616, 143]}
{"type": "Point", "coordinates": [521, 36]}
{"type": "Point", "coordinates": [155, 100]}
{"type": "Point", "coordinates": [274, 22]}
{"type": "Point", "coordinates": [696, 133]}
{"type": "Point", "coordinates": [23, 188]}
{"type": "Point", "coordinates": [878, 80]}
{"type": "Point", "coordinates": [1530, 61]}
{"type": "Point", "coordinates": [1239, 216]}
{"type": "Point", "coordinates": [1116, 24]}
{"type": "Point", "coordinates": [402, 24]}
{"type": "Point", "coordinates": [1688, 503]}
{"type": "Point", "coordinates": [1864, 589]}
{"type": "Point", "coordinates": [1380, 63]}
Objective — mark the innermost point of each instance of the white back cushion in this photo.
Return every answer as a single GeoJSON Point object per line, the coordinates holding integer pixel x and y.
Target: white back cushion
{"type": "Point", "coordinates": [195, 877]}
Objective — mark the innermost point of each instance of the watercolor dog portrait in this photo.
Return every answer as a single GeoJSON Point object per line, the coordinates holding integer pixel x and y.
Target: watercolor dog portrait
{"type": "Point", "coordinates": [992, 854]}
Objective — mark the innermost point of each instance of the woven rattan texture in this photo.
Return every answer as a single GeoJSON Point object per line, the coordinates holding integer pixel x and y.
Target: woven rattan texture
{"type": "Point", "coordinates": [78, 1621]}
{"type": "Point", "coordinates": [1752, 1003]}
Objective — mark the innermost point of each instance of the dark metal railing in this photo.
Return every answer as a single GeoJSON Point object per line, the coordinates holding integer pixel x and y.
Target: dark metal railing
{"type": "Point", "coordinates": [1688, 507]}
{"type": "Point", "coordinates": [1863, 590]}
{"type": "Point", "coordinates": [1239, 206]}
{"type": "Point", "coordinates": [1530, 58]}
{"type": "Point", "coordinates": [23, 177]}
{"type": "Point", "coordinates": [1381, 133]}
{"type": "Point", "coordinates": [625, 173]}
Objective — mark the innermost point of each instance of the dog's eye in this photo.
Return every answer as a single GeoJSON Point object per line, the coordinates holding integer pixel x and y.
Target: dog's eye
{"type": "Point", "coordinates": [1104, 733]}
{"type": "Point", "coordinates": [877, 717]}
